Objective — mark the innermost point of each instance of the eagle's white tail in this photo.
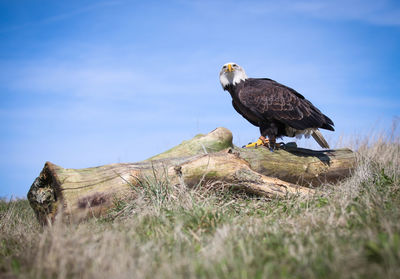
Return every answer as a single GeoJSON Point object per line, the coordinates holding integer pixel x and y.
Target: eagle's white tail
{"type": "Point", "coordinates": [320, 138]}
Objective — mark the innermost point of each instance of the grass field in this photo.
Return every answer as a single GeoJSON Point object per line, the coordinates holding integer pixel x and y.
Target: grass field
{"type": "Point", "coordinates": [347, 230]}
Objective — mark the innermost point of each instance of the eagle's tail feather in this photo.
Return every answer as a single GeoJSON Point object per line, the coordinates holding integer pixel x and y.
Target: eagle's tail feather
{"type": "Point", "coordinates": [320, 138]}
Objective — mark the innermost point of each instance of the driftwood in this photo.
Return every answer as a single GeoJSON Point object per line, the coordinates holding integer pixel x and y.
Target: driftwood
{"type": "Point", "coordinates": [82, 193]}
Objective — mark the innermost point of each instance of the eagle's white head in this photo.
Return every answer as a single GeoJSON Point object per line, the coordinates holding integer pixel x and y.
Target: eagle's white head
{"type": "Point", "coordinates": [231, 74]}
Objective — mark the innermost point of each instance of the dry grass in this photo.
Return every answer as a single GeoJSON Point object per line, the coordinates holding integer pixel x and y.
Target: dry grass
{"type": "Point", "coordinates": [347, 230]}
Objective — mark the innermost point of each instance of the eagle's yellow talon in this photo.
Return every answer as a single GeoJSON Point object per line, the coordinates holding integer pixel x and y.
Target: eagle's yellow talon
{"type": "Point", "coordinates": [259, 142]}
{"type": "Point", "coordinates": [252, 144]}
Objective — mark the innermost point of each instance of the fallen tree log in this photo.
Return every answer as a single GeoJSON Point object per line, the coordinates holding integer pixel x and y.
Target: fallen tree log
{"type": "Point", "coordinates": [77, 194]}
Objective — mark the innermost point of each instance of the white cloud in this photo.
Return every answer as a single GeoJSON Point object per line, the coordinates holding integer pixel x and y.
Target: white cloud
{"type": "Point", "coordinates": [91, 71]}
{"type": "Point", "coordinates": [371, 11]}
{"type": "Point", "coordinates": [61, 16]}
{"type": "Point", "coordinates": [375, 12]}
{"type": "Point", "coordinates": [78, 80]}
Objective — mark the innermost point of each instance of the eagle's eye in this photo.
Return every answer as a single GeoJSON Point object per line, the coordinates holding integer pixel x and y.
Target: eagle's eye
{"type": "Point", "coordinates": [234, 65]}
{"type": "Point", "coordinates": [224, 67]}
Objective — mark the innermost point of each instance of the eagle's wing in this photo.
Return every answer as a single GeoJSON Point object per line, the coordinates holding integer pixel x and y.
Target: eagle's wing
{"type": "Point", "coordinates": [243, 114]}
{"type": "Point", "coordinates": [271, 100]}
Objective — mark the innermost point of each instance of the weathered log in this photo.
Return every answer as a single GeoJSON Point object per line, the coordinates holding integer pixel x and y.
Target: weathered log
{"type": "Point", "coordinates": [80, 193]}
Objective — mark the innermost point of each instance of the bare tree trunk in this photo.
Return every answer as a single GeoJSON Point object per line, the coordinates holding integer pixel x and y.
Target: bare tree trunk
{"type": "Point", "coordinates": [82, 193]}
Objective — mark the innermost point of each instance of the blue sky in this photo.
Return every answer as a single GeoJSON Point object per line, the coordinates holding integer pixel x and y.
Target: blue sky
{"type": "Point", "coordinates": [86, 83]}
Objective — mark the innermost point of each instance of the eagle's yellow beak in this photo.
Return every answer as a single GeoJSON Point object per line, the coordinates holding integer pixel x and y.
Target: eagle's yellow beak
{"type": "Point", "coordinates": [230, 69]}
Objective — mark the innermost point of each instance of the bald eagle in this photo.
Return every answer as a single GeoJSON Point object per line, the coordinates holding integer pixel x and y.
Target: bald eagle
{"type": "Point", "coordinates": [277, 109]}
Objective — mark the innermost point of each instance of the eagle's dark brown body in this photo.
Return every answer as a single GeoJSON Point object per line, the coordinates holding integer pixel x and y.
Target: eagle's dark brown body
{"type": "Point", "coordinates": [274, 107]}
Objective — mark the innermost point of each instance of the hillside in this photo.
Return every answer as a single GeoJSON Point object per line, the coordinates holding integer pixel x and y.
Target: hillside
{"type": "Point", "coordinates": [346, 230]}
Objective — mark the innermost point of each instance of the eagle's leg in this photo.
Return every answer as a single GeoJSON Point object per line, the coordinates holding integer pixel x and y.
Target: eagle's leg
{"type": "Point", "coordinates": [272, 144]}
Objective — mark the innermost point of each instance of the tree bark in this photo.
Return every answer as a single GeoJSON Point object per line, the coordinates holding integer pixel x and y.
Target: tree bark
{"type": "Point", "coordinates": [77, 194]}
